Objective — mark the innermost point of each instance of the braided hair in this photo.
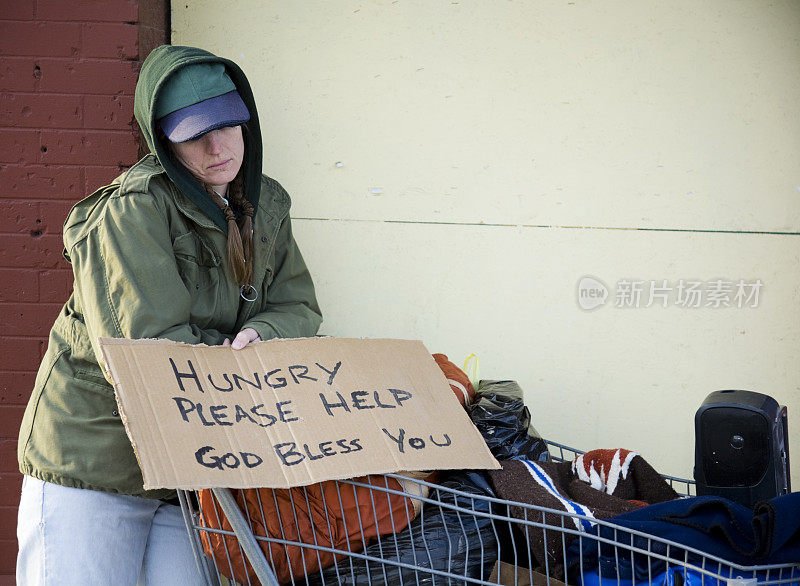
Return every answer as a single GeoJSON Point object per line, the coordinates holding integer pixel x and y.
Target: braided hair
{"type": "Point", "coordinates": [240, 230]}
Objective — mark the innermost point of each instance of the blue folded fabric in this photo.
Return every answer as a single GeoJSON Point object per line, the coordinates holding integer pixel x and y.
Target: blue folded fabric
{"type": "Point", "coordinates": [680, 576]}
{"type": "Point", "coordinates": [767, 534]}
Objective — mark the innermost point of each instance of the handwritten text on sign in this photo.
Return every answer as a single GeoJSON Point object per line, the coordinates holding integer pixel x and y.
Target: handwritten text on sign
{"type": "Point", "coordinates": [289, 412]}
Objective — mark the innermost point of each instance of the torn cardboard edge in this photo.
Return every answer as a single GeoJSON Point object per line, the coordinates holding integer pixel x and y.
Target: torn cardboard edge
{"type": "Point", "coordinates": [284, 413]}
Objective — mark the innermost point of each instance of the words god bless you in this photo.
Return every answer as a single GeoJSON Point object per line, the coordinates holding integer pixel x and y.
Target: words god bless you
{"type": "Point", "coordinates": [194, 411]}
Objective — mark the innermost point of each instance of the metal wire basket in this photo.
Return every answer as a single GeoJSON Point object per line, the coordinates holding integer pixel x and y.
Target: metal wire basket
{"type": "Point", "coordinates": [440, 533]}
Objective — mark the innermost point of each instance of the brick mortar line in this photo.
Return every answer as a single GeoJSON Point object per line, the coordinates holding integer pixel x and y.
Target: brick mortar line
{"type": "Point", "coordinates": [64, 129]}
{"type": "Point", "coordinates": [48, 93]}
{"type": "Point", "coordinates": [35, 303]}
{"type": "Point", "coordinates": [59, 165]}
{"type": "Point", "coordinates": [75, 59]}
{"type": "Point", "coordinates": [35, 20]}
{"type": "Point", "coordinates": [25, 200]}
{"type": "Point", "coordinates": [39, 93]}
{"type": "Point", "coordinates": [38, 20]}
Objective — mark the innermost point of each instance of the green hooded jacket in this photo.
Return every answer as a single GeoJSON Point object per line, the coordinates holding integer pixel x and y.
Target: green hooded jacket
{"type": "Point", "coordinates": [148, 254]}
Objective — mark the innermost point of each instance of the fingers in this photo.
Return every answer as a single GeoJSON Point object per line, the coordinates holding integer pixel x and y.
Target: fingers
{"type": "Point", "coordinates": [227, 342]}
{"type": "Point", "coordinates": [240, 341]}
{"type": "Point", "coordinates": [244, 337]}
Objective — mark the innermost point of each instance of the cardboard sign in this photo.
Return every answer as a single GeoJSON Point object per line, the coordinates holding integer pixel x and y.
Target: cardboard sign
{"type": "Point", "coordinates": [287, 413]}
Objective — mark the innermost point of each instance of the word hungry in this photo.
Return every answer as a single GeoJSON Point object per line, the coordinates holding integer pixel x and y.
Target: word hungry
{"type": "Point", "coordinates": [274, 379]}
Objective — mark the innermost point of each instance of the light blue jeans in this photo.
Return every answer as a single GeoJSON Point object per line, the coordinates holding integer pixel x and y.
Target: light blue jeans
{"type": "Point", "coordinates": [75, 536]}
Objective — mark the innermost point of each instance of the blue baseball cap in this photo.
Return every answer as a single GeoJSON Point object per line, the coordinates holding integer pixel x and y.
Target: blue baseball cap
{"type": "Point", "coordinates": [197, 99]}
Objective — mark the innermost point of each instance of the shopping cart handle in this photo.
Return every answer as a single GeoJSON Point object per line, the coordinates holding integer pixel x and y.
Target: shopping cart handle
{"type": "Point", "coordinates": [245, 536]}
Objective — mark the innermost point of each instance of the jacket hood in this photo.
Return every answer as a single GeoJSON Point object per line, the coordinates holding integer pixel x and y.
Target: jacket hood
{"type": "Point", "coordinates": [160, 64]}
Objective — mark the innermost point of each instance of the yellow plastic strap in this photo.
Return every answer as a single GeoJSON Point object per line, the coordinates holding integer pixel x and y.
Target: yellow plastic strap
{"type": "Point", "coordinates": [474, 376]}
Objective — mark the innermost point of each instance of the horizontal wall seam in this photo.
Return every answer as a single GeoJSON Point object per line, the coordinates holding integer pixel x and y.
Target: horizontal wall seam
{"type": "Point", "coordinates": [548, 226]}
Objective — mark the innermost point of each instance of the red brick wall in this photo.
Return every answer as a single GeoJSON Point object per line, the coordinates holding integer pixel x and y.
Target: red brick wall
{"type": "Point", "coordinates": [67, 76]}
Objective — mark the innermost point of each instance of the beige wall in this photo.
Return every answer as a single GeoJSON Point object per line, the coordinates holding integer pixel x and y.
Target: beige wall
{"type": "Point", "coordinates": [458, 167]}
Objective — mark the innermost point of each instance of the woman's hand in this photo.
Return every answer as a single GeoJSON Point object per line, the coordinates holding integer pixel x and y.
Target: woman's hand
{"type": "Point", "coordinates": [242, 339]}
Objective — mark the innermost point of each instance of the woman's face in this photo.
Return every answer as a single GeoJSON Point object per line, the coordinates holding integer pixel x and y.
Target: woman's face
{"type": "Point", "coordinates": [214, 158]}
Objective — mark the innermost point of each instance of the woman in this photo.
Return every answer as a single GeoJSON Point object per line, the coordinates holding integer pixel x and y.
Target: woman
{"type": "Point", "coordinates": [193, 244]}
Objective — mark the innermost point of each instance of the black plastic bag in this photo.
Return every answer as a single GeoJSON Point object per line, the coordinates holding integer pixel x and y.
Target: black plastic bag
{"type": "Point", "coordinates": [441, 538]}
{"type": "Point", "coordinates": [505, 422]}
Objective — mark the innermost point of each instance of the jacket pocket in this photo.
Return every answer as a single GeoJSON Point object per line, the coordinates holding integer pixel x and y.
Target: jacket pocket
{"type": "Point", "coordinates": [32, 409]}
{"type": "Point", "coordinates": [198, 263]}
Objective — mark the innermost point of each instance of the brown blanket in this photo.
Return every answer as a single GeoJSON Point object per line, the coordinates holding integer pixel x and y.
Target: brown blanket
{"type": "Point", "coordinates": [597, 485]}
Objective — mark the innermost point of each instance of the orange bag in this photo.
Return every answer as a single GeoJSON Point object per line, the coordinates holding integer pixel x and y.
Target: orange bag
{"type": "Point", "coordinates": [330, 514]}
{"type": "Point", "coordinates": [458, 380]}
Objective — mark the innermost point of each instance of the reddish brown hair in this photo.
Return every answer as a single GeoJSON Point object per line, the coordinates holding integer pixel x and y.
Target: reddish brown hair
{"type": "Point", "coordinates": [240, 232]}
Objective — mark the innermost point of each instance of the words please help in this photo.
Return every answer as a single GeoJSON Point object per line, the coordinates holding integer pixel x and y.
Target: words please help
{"type": "Point", "coordinates": [285, 413]}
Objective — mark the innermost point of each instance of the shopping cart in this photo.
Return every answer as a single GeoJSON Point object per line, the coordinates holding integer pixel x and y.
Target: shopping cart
{"type": "Point", "coordinates": [455, 534]}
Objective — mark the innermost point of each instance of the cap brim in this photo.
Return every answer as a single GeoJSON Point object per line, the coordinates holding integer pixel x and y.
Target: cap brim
{"type": "Point", "coordinates": [198, 119]}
